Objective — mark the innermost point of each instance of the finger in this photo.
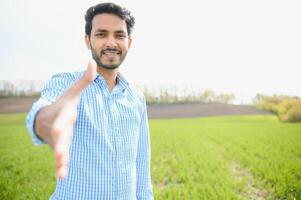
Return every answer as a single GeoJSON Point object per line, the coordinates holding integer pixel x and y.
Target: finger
{"type": "Point", "coordinates": [84, 81]}
{"type": "Point", "coordinates": [62, 152]}
{"type": "Point", "coordinates": [64, 120]}
{"type": "Point", "coordinates": [62, 131]}
{"type": "Point", "coordinates": [61, 173]}
{"type": "Point", "coordinates": [61, 160]}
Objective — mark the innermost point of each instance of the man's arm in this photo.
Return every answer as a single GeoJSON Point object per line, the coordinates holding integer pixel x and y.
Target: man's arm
{"type": "Point", "coordinates": [53, 122]}
{"type": "Point", "coordinates": [144, 185]}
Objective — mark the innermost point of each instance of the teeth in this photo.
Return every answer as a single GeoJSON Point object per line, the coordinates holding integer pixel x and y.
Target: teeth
{"type": "Point", "coordinates": [110, 52]}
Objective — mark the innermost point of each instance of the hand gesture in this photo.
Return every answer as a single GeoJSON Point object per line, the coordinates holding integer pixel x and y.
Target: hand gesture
{"type": "Point", "coordinates": [55, 123]}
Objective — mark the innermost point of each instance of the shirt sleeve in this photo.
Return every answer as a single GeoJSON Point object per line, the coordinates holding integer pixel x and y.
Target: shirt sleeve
{"type": "Point", "coordinates": [144, 185]}
{"type": "Point", "coordinates": [51, 91]}
{"type": "Point", "coordinates": [30, 121]}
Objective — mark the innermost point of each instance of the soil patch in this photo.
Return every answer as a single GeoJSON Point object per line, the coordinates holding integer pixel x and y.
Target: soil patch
{"type": "Point", "coordinates": [15, 105]}
{"type": "Point", "coordinates": [201, 110]}
{"type": "Point", "coordinates": [250, 190]}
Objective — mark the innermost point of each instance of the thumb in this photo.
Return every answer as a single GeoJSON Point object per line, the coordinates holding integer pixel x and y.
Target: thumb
{"type": "Point", "coordinates": [84, 81]}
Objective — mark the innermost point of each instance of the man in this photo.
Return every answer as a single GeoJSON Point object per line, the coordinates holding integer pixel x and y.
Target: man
{"type": "Point", "coordinates": [95, 121]}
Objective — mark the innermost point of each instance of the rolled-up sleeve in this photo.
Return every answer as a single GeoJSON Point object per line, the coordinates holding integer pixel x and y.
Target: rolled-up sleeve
{"type": "Point", "coordinates": [51, 91]}
{"type": "Point", "coordinates": [30, 121]}
{"type": "Point", "coordinates": [144, 185]}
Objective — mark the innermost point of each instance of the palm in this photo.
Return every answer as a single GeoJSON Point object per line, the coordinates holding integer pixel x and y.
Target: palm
{"type": "Point", "coordinates": [65, 109]}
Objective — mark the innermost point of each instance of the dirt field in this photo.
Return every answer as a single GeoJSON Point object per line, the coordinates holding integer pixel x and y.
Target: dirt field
{"type": "Point", "coordinates": [201, 110]}
{"type": "Point", "coordinates": [12, 105]}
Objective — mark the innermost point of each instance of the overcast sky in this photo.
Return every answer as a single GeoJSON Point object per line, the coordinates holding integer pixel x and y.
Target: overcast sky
{"type": "Point", "coordinates": [240, 47]}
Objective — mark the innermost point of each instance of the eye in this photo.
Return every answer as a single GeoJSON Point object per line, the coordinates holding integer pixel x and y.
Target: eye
{"type": "Point", "coordinates": [99, 34]}
{"type": "Point", "coordinates": [120, 36]}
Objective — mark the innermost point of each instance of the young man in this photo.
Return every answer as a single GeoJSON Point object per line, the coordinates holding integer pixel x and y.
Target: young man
{"type": "Point", "coordinates": [95, 121]}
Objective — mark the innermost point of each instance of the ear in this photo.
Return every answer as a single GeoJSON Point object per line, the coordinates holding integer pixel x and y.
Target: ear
{"type": "Point", "coordinates": [87, 40]}
{"type": "Point", "coordinates": [130, 42]}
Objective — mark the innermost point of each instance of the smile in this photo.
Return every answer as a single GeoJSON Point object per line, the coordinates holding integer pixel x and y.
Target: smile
{"type": "Point", "coordinates": [111, 52]}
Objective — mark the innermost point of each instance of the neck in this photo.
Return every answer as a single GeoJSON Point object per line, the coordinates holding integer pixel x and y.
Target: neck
{"type": "Point", "coordinates": [110, 76]}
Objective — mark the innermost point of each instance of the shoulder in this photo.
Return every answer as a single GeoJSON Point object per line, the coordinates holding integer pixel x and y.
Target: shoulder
{"type": "Point", "coordinates": [138, 97]}
{"type": "Point", "coordinates": [136, 93]}
{"type": "Point", "coordinates": [58, 83]}
{"type": "Point", "coordinates": [64, 79]}
{"type": "Point", "coordinates": [71, 76]}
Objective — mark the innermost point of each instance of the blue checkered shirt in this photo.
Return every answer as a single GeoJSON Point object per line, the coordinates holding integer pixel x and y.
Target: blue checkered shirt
{"type": "Point", "coordinates": [110, 150]}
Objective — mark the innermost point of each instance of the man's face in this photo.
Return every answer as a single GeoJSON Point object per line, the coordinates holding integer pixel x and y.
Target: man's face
{"type": "Point", "coordinates": [109, 41]}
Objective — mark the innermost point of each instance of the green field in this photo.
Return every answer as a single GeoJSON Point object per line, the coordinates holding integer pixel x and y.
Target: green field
{"type": "Point", "coordinates": [242, 157]}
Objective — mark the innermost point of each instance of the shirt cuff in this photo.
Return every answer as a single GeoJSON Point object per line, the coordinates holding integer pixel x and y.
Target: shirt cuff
{"type": "Point", "coordinates": [30, 121]}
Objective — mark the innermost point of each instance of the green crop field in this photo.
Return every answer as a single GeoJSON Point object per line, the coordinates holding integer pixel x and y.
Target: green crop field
{"type": "Point", "coordinates": [241, 157]}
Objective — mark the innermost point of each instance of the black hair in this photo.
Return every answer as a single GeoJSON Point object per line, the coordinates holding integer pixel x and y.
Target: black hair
{"type": "Point", "coordinates": [110, 8]}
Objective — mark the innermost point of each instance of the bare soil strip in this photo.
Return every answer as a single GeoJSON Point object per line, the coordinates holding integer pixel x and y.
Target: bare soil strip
{"type": "Point", "coordinates": [15, 105]}
{"type": "Point", "coordinates": [201, 110]}
{"type": "Point", "coordinates": [250, 190]}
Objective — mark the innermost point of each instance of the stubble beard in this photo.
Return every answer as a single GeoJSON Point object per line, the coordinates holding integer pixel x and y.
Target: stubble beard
{"type": "Point", "coordinates": [100, 64]}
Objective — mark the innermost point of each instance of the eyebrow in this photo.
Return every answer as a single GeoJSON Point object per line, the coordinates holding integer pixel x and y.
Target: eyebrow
{"type": "Point", "coordinates": [101, 30]}
{"type": "Point", "coordinates": [104, 30]}
{"type": "Point", "coordinates": [120, 31]}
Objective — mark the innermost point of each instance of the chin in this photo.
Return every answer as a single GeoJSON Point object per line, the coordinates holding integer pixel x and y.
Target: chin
{"type": "Point", "coordinates": [109, 66]}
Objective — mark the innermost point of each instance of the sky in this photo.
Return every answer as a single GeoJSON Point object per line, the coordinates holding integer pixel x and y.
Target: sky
{"type": "Point", "coordinates": [235, 46]}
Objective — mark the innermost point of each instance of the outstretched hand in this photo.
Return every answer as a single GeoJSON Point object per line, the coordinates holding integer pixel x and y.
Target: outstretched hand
{"type": "Point", "coordinates": [55, 123]}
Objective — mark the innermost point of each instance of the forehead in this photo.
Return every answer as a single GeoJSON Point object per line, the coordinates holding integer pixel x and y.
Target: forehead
{"type": "Point", "coordinates": [108, 22]}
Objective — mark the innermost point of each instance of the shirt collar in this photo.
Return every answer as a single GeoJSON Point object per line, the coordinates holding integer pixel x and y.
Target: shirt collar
{"type": "Point", "coordinates": [121, 81]}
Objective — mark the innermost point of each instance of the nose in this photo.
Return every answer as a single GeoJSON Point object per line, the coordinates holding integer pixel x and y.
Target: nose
{"type": "Point", "coordinates": [111, 42]}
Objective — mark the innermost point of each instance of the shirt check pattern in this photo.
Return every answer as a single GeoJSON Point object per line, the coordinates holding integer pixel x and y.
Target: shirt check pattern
{"type": "Point", "coordinates": [110, 150]}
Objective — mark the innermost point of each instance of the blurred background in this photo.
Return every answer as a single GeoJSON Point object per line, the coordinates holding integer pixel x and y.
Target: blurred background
{"type": "Point", "coordinates": [221, 79]}
{"type": "Point", "coordinates": [234, 47]}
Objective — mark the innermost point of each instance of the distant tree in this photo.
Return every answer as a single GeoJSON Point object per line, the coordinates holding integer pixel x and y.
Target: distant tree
{"type": "Point", "coordinates": [173, 95]}
{"type": "Point", "coordinates": [18, 89]}
{"type": "Point", "coordinates": [287, 108]}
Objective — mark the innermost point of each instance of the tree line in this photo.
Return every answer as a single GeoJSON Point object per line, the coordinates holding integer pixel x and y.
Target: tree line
{"type": "Point", "coordinates": [162, 95]}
